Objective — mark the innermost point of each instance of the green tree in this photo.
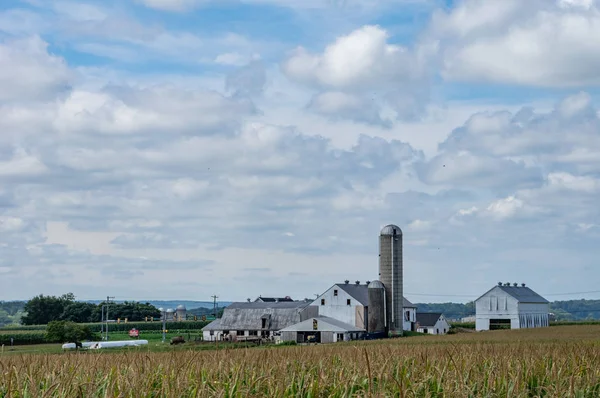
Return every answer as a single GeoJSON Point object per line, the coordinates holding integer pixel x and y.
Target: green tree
{"type": "Point", "coordinates": [79, 312]}
{"type": "Point", "coordinates": [67, 332]}
{"type": "Point", "coordinates": [43, 309]}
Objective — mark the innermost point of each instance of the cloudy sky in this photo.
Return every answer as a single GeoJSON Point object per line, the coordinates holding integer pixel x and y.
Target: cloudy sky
{"type": "Point", "coordinates": [176, 149]}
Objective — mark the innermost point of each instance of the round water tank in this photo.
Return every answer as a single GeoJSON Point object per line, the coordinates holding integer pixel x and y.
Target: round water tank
{"type": "Point", "coordinates": [377, 315]}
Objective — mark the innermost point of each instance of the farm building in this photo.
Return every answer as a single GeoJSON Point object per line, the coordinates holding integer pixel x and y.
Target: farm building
{"type": "Point", "coordinates": [243, 321]}
{"type": "Point", "coordinates": [511, 307]}
{"type": "Point", "coordinates": [349, 303]}
{"type": "Point", "coordinates": [321, 329]}
{"type": "Point", "coordinates": [432, 323]}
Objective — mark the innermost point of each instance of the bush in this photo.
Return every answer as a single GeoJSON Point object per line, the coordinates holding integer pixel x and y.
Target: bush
{"type": "Point", "coordinates": [65, 331]}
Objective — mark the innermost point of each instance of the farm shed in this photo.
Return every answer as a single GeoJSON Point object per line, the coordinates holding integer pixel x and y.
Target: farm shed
{"type": "Point", "coordinates": [507, 306]}
{"type": "Point", "coordinates": [256, 319]}
{"type": "Point", "coordinates": [321, 329]}
{"type": "Point", "coordinates": [432, 323]}
{"type": "Point", "coordinates": [348, 303]}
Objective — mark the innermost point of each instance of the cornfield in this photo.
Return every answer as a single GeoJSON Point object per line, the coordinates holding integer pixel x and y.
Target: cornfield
{"type": "Point", "coordinates": [551, 362]}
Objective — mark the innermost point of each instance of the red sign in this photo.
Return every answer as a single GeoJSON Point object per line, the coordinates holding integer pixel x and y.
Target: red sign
{"type": "Point", "coordinates": [134, 333]}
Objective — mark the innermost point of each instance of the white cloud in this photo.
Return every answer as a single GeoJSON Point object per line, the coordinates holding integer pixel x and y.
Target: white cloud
{"type": "Point", "coordinates": [28, 71]}
{"type": "Point", "coordinates": [361, 59]}
{"type": "Point", "coordinates": [536, 43]}
{"type": "Point", "coordinates": [336, 104]}
{"type": "Point", "coordinates": [172, 5]}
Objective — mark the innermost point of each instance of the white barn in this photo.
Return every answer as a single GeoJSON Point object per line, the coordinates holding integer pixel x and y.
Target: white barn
{"type": "Point", "coordinates": [349, 302]}
{"type": "Point", "coordinates": [515, 307]}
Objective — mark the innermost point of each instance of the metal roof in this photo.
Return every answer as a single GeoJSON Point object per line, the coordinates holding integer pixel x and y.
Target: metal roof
{"type": "Point", "coordinates": [331, 325]}
{"type": "Point", "coordinates": [428, 319]}
{"type": "Point", "coordinates": [361, 293]}
{"type": "Point", "coordinates": [522, 293]}
{"type": "Point", "coordinates": [273, 299]}
{"type": "Point", "coordinates": [263, 305]}
{"type": "Point", "coordinates": [391, 229]}
{"type": "Point", "coordinates": [214, 325]}
{"type": "Point", "coordinates": [249, 316]}
{"type": "Point", "coordinates": [376, 285]}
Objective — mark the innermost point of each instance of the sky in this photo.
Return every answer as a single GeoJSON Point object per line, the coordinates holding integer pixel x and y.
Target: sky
{"type": "Point", "coordinates": [179, 149]}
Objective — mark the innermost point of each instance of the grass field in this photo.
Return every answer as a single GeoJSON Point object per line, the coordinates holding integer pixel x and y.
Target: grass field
{"type": "Point", "coordinates": [551, 362]}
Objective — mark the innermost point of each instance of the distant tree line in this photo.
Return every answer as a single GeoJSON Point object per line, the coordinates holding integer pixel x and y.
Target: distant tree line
{"type": "Point", "coordinates": [42, 310]}
{"type": "Point", "coordinates": [10, 312]}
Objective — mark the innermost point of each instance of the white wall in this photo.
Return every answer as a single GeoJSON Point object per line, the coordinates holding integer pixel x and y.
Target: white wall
{"type": "Point", "coordinates": [496, 304]}
{"type": "Point", "coordinates": [412, 318]}
{"type": "Point", "coordinates": [336, 307]}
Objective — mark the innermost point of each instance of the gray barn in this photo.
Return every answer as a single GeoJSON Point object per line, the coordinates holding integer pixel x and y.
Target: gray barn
{"type": "Point", "coordinates": [242, 321]}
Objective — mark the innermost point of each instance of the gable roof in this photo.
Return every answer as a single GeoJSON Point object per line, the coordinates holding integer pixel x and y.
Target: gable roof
{"type": "Point", "coordinates": [361, 294]}
{"type": "Point", "coordinates": [523, 294]}
{"type": "Point", "coordinates": [428, 319]}
{"type": "Point", "coordinates": [331, 325]}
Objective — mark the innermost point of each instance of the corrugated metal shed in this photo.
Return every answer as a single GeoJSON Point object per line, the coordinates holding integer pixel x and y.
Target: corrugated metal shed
{"type": "Point", "coordinates": [249, 316]}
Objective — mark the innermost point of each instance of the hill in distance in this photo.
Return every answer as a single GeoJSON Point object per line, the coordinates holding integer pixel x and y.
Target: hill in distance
{"type": "Point", "coordinates": [189, 304]}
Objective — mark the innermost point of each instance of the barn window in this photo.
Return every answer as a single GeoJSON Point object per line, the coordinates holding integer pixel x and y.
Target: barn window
{"type": "Point", "coordinates": [348, 301]}
{"type": "Point", "coordinates": [322, 301]}
{"type": "Point", "coordinates": [335, 292]}
{"type": "Point", "coordinates": [264, 323]}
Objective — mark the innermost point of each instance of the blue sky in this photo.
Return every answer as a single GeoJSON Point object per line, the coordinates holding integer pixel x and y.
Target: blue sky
{"type": "Point", "coordinates": [164, 149]}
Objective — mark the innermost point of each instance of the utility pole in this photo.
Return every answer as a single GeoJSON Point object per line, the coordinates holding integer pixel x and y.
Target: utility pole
{"type": "Point", "coordinates": [215, 297]}
{"type": "Point", "coordinates": [164, 324]}
{"type": "Point", "coordinates": [107, 302]}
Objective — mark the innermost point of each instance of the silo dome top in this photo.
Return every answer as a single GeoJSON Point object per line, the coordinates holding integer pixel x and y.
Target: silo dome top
{"type": "Point", "coordinates": [391, 229]}
{"type": "Point", "coordinates": [181, 307]}
{"type": "Point", "coordinates": [376, 285]}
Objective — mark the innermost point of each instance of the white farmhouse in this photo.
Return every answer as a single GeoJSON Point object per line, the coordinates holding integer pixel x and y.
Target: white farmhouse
{"type": "Point", "coordinates": [349, 302]}
{"type": "Point", "coordinates": [511, 307]}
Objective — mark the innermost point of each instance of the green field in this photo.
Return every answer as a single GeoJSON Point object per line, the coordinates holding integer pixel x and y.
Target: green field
{"type": "Point", "coordinates": [549, 362]}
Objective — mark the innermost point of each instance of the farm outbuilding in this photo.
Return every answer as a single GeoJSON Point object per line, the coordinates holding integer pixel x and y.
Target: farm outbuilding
{"type": "Point", "coordinates": [244, 321]}
{"type": "Point", "coordinates": [507, 306]}
{"type": "Point", "coordinates": [432, 323]}
{"type": "Point", "coordinates": [321, 329]}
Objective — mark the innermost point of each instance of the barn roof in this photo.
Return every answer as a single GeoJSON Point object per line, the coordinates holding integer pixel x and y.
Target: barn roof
{"type": "Point", "coordinates": [428, 319]}
{"type": "Point", "coordinates": [522, 293]}
{"type": "Point", "coordinates": [331, 325]}
{"type": "Point", "coordinates": [361, 294]}
{"type": "Point", "coordinates": [273, 299]}
{"type": "Point", "coordinates": [249, 316]}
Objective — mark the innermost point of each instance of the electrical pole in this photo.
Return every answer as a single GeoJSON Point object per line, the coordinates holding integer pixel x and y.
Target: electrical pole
{"type": "Point", "coordinates": [107, 302]}
{"type": "Point", "coordinates": [215, 297]}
